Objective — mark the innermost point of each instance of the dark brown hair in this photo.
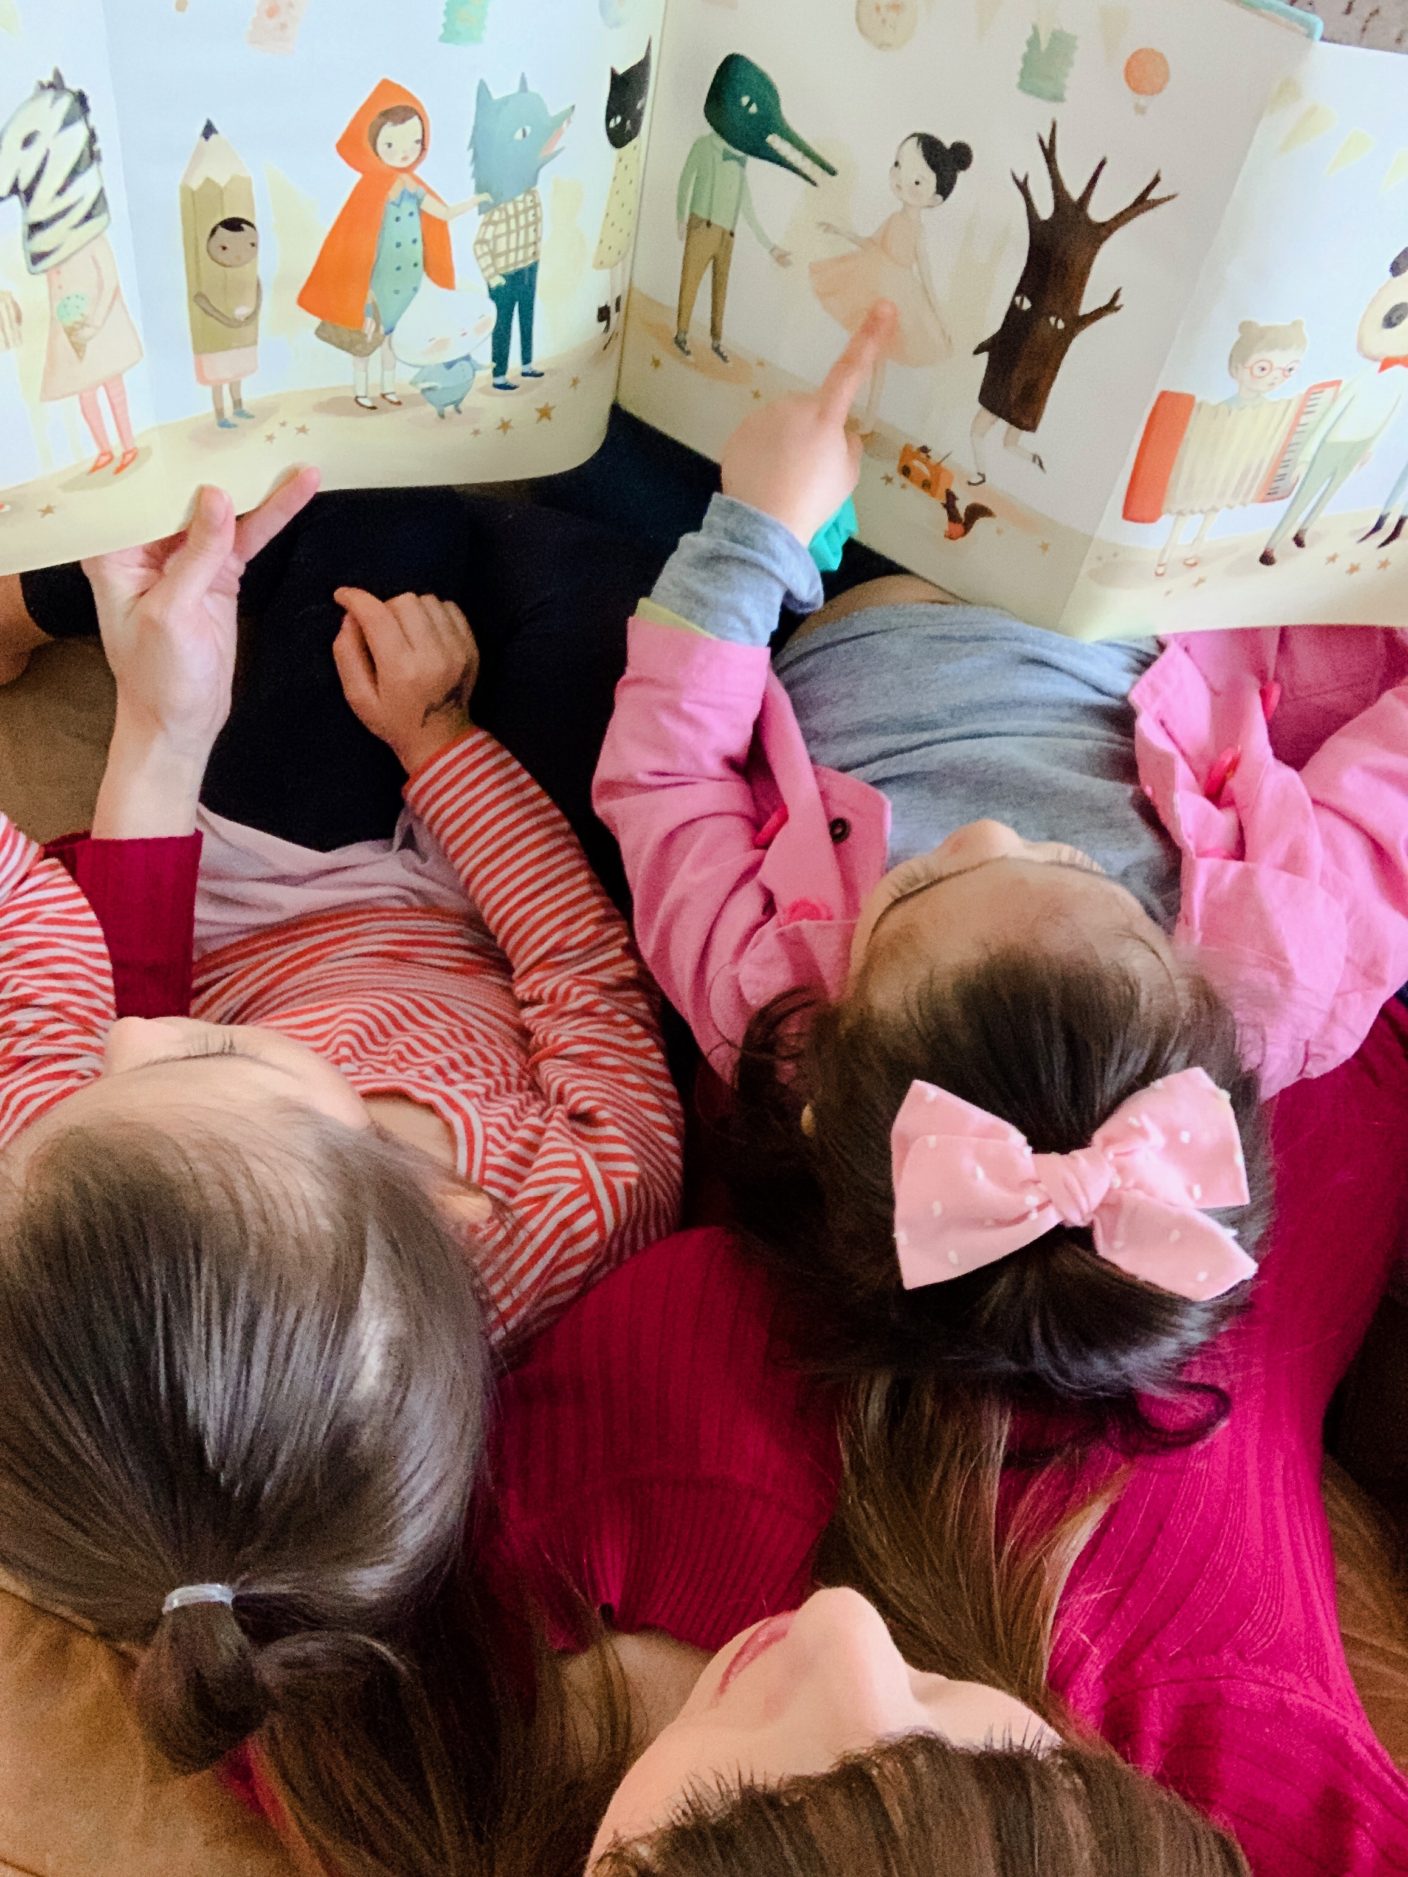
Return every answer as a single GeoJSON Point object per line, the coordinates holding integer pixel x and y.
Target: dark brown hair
{"type": "Point", "coordinates": [388, 119]}
{"type": "Point", "coordinates": [1051, 1044]}
{"type": "Point", "coordinates": [255, 1357]}
{"type": "Point", "coordinates": [918, 1807]}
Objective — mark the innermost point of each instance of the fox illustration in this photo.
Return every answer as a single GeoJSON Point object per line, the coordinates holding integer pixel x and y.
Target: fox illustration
{"type": "Point", "coordinates": [514, 139]}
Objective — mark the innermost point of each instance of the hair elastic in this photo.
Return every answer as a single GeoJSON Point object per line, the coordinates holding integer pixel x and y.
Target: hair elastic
{"type": "Point", "coordinates": [189, 1594]}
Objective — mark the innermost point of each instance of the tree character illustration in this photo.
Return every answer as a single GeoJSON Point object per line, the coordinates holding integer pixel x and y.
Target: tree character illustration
{"type": "Point", "coordinates": [515, 138]}
{"type": "Point", "coordinates": [744, 113]}
{"type": "Point", "coordinates": [1343, 437]}
{"type": "Point", "coordinates": [625, 120]}
{"type": "Point", "coordinates": [222, 271]}
{"type": "Point", "coordinates": [893, 264]}
{"type": "Point", "coordinates": [50, 160]}
{"type": "Point", "coordinates": [392, 234]}
{"type": "Point", "coordinates": [1045, 316]}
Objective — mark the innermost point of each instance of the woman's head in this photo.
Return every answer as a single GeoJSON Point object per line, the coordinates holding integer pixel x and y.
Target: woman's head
{"type": "Point", "coordinates": [926, 168]}
{"type": "Point", "coordinates": [244, 1347]}
{"type": "Point", "coordinates": [811, 1748]}
{"type": "Point", "coordinates": [1051, 1033]}
{"type": "Point", "coordinates": [397, 135]}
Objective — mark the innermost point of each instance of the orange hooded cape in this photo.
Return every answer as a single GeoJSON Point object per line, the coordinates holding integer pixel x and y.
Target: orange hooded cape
{"type": "Point", "coordinates": [337, 288]}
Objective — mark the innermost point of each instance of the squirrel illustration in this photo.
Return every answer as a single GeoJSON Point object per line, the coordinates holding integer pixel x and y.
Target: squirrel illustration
{"type": "Point", "coordinates": [963, 521]}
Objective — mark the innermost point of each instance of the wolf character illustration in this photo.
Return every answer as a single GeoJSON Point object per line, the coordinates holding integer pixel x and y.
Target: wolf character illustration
{"type": "Point", "coordinates": [1344, 437]}
{"type": "Point", "coordinates": [514, 139]}
{"type": "Point", "coordinates": [625, 120]}
{"type": "Point", "coordinates": [51, 161]}
{"type": "Point", "coordinates": [744, 113]}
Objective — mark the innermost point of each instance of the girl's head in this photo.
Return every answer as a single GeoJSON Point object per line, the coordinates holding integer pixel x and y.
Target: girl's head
{"type": "Point", "coordinates": [242, 1345]}
{"type": "Point", "coordinates": [397, 136]}
{"type": "Point", "coordinates": [1264, 358]}
{"type": "Point", "coordinates": [810, 1746]}
{"type": "Point", "coordinates": [1022, 980]}
{"type": "Point", "coordinates": [925, 169]}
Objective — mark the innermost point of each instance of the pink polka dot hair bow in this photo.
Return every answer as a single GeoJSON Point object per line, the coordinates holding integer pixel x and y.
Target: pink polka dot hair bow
{"type": "Point", "coordinates": [969, 1190]}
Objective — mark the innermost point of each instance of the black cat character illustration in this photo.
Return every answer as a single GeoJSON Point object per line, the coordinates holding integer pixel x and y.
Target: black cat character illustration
{"type": "Point", "coordinates": [625, 119]}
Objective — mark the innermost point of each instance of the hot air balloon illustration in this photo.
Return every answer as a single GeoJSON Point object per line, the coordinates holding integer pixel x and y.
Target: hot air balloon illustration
{"type": "Point", "coordinates": [1146, 72]}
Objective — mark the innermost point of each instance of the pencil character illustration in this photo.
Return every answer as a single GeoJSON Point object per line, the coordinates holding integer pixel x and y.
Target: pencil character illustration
{"type": "Point", "coordinates": [223, 288]}
{"type": "Point", "coordinates": [744, 113]}
{"type": "Point", "coordinates": [51, 161]}
{"type": "Point", "coordinates": [1046, 314]}
{"type": "Point", "coordinates": [392, 234]}
{"type": "Point", "coordinates": [1344, 437]}
{"type": "Point", "coordinates": [514, 139]}
{"type": "Point", "coordinates": [625, 120]}
{"type": "Point", "coordinates": [893, 263]}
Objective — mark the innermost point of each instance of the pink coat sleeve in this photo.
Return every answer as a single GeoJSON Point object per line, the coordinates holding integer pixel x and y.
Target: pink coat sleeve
{"type": "Point", "coordinates": [673, 787]}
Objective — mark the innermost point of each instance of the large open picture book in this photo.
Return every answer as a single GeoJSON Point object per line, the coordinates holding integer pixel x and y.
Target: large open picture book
{"type": "Point", "coordinates": [1150, 261]}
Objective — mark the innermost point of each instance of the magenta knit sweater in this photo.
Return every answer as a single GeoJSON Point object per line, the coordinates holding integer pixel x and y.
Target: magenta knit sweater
{"type": "Point", "coordinates": [658, 1454]}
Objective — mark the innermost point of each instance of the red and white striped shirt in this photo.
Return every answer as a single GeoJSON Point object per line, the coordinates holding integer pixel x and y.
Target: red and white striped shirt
{"type": "Point", "coordinates": [527, 1024]}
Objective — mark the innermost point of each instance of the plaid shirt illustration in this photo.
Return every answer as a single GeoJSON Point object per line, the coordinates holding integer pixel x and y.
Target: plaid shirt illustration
{"type": "Point", "coordinates": [510, 236]}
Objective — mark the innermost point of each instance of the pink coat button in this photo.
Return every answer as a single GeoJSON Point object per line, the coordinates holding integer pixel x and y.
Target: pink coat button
{"type": "Point", "coordinates": [771, 828]}
{"type": "Point", "coordinates": [801, 909]}
{"type": "Point", "coordinates": [1221, 774]}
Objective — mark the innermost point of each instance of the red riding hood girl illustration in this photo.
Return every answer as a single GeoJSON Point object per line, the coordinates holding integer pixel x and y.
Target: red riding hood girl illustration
{"type": "Point", "coordinates": [393, 233]}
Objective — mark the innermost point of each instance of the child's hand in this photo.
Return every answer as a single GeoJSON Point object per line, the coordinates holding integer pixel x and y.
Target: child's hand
{"type": "Point", "coordinates": [795, 459]}
{"type": "Point", "coordinates": [167, 617]}
{"type": "Point", "coordinates": [408, 668]}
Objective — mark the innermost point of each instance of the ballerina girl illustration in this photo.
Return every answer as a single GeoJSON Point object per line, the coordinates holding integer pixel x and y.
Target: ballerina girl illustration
{"type": "Point", "coordinates": [393, 234]}
{"type": "Point", "coordinates": [50, 160]}
{"type": "Point", "coordinates": [893, 264]}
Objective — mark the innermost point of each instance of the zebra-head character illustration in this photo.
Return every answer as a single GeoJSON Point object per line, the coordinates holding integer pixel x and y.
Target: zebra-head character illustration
{"type": "Point", "coordinates": [49, 159]}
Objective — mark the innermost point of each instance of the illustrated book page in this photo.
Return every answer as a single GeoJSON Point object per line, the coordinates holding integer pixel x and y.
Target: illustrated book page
{"type": "Point", "coordinates": [240, 235]}
{"type": "Point", "coordinates": [1268, 481]}
{"type": "Point", "coordinates": [1035, 184]}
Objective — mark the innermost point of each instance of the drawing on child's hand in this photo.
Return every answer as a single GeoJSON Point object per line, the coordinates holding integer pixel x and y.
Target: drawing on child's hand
{"type": "Point", "coordinates": [1345, 434]}
{"type": "Point", "coordinates": [275, 25]}
{"type": "Point", "coordinates": [1146, 72]}
{"type": "Point", "coordinates": [515, 138]}
{"type": "Point", "coordinates": [465, 23]}
{"type": "Point", "coordinates": [51, 161]}
{"type": "Point", "coordinates": [888, 24]}
{"type": "Point", "coordinates": [1046, 65]}
{"type": "Point", "coordinates": [224, 294]}
{"type": "Point", "coordinates": [744, 113]}
{"type": "Point", "coordinates": [1046, 314]}
{"type": "Point", "coordinates": [893, 264]}
{"type": "Point", "coordinates": [625, 120]}
{"type": "Point", "coordinates": [392, 234]}
{"type": "Point", "coordinates": [1205, 457]}
{"type": "Point", "coordinates": [443, 334]}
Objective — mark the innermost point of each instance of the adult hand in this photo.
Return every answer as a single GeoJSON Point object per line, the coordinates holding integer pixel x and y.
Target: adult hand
{"type": "Point", "coordinates": [166, 612]}
{"type": "Point", "coordinates": [167, 616]}
{"type": "Point", "coordinates": [408, 668]}
{"type": "Point", "coordinates": [795, 459]}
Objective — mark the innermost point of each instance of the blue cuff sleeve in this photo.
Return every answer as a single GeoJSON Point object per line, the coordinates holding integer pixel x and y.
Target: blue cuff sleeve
{"type": "Point", "coordinates": [733, 578]}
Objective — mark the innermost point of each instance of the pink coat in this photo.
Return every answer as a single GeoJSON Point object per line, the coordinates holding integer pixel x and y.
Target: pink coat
{"type": "Point", "coordinates": [1276, 759]}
